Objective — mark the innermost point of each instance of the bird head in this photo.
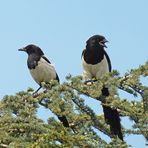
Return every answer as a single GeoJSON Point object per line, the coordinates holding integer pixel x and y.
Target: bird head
{"type": "Point", "coordinates": [96, 41]}
{"type": "Point", "coordinates": [32, 49]}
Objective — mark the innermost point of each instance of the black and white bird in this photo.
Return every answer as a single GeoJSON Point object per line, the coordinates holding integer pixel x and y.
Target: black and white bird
{"type": "Point", "coordinates": [96, 63]}
{"type": "Point", "coordinates": [41, 69]}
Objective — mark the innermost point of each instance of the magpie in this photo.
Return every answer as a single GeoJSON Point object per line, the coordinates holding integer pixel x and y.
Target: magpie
{"type": "Point", "coordinates": [41, 70]}
{"type": "Point", "coordinates": [95, 63]}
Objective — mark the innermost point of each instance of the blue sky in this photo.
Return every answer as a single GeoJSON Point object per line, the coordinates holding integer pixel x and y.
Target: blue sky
{"type": "Point", "coordinates": [61, 29]}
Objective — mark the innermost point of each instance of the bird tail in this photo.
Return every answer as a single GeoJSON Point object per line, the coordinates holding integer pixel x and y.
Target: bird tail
{"type": "Point", "coordinates": [112, 117]}
{"type": "Point", "coordinates": [64, 120]}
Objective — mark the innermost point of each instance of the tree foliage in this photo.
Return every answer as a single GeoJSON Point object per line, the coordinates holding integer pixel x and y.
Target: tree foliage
{"type": "Point", "coordinates": [20, 125]}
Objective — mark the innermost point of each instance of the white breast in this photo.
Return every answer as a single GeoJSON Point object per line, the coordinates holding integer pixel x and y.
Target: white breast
{"type": "Point", "coordinates": [94, 71]}
{"type": "Point", "coordinates": [43, 72]}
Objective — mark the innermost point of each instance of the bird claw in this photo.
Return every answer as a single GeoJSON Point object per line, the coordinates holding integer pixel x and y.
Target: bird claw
{"type": "Point", "coordinates": [89, 82]}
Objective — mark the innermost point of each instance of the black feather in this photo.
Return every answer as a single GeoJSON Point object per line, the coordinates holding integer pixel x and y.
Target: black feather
{"type": "Point", "coordinates": [112, 117]}
{"type": "Point", "coordinates": [32, 61]}
{"type": "Point", "coordinates": [108, 61]}
{"type": "Point", "coordinates": [64, 120]}
{"type": "Point", "coordinates": [46, 59]}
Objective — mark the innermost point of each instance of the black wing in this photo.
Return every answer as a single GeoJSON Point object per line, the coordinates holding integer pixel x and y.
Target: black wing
{"type": "Point", "coordinates": [57, 77]}
{"type": "Point", "coordinates": [108, 60]}
{"type": "Point", "coordinates": [46, 59]}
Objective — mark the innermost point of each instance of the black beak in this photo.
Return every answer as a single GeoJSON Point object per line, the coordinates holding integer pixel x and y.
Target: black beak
{"type": "Point", "coordinates": [102, 43]}
{"type": "Point", "coordinates": [22, 49]}
{"type": "Point", "coordinates": [105, 40]}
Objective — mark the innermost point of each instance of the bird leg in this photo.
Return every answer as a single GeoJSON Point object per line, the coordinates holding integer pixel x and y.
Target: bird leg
{"type": "Point", "coordinates": [89, 82]}
{"type": "Point", "coordinates": [37, 90]}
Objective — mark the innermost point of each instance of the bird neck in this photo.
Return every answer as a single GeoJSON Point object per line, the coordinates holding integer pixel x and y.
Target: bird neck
{"type": "Point", "coordinates": [94, 55]}
{"type": "Point", "coordinates": [32, 61]}
{"type": "Point", "coordinates": [34, 56]}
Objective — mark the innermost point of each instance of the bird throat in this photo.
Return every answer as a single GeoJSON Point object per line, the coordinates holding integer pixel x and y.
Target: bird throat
{"type": "Point", "coordinates": [93, 55]}
{"type": "Point", "coordinates": [32, 61]}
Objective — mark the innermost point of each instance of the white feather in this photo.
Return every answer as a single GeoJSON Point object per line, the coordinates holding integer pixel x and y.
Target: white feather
{"type": "Point", "coordinates": [43, 72]}
{"type": "Point", "coordinates": [94, 71]}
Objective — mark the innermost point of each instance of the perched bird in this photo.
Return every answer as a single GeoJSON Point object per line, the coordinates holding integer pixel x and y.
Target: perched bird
{"type": "Point", "coordinates": [96, 63]}
{"type": "Point", "coordinates": [41, 70]}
